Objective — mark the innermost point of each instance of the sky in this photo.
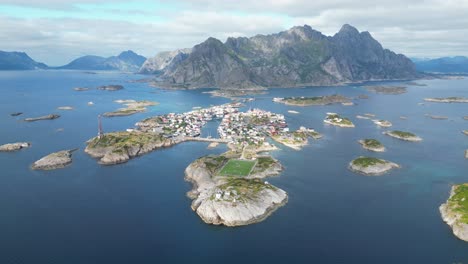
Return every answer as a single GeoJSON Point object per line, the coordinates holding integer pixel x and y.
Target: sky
{"type": "Point", "coordinates": [58, 31]}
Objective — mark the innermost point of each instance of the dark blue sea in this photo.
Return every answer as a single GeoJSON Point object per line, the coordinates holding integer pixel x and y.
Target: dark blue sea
{"type": "Point", "coordinates": [138, 212]}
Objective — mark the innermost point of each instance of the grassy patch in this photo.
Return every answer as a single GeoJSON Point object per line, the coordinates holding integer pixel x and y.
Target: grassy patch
{"type": "Point", "coordinates": [367, 161]}
{"type": "Point", "coordinates": [245, 188]}
{"type": "Point", "coordinates": [214, 163]}
{"type": "Point", "coordinates": [235, 167]}
{"type": "Point", "coordinates": [459, 202]}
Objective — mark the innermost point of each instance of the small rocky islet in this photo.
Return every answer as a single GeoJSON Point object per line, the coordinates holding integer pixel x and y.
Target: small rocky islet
{"type": "Point", "coordinates": [132, 107]}
{"type": "Point", "coordinates": [46, 117]}
{"type": "Point", "coordinates": [14, 146]}
{"type": "Point", "coordinates": [337, 120]}
{"type": "Point", "coordinates": [56, 160]}
{"type": "Point", "coordinates": [394, 90]}
{"type": "Point", "coordinates": [402, 135]}
{"type": "Point", "coordinates": [371, 166]}
{"type": "Point", "coordinates": [372, 145]}
{"type": "Point", "coordinates": [453, 99]}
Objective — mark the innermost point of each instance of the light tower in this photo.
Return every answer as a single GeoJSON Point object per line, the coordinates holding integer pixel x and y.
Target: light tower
{"type": "Point", "coordinates": [100, 133]}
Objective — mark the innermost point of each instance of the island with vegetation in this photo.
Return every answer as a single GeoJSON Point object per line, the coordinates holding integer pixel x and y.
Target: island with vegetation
{"type": "Point", "coordinates": [387, 89]}
{"type": "Point", "coordinates": [455, 211]}
{"type": "Point", "coordinates": [46, 117]}
{"type": "Point", "coordinates": [14, 146]}
{"type": "Point", "coordinates": [132, 107]}
{"type": "Point", "coordinates": [371, 166]}
{"type": "Point", "coordinates": [316, 100]}
{"type": "Point", "coordinates": [336, 120]}
{"type": "Point", "coordinates": [437, 117]}
{"type": "Point", "coordinates": [407, 136]}
{"type": "Point", "coordinates": [297, 139]}
{"type": "Point", "coordinates": [452, 99]}
{"type": "Point", "coordinates": [56, 160]}
{"type": "Point", "coordinates": [372, 145]}
{"type": "Point", "coordinates": [230, 191]}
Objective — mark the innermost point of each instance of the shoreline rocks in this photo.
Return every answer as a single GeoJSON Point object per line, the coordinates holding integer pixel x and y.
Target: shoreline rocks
{"type": "Point", "coordinates": [232, 201]}
{"type": "Point", "coordinates": [371, 166]}
{"type": "Point", "coordinates": [454, 213]}
{"type": "Point", "coordinates": [56, 160]}
{"type": "Point", "coordinates": [47, 117]}
{"type": "Point", "coordinates": [403, 135]}
{"type": "Point", "coordinates": [14, 146]}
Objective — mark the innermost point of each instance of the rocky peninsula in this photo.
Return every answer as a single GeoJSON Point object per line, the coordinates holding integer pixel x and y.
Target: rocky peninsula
{"type": "Point", "coordinates": [132, 107]}
{"type": "Point", "coordinates": [455, 211]}
{"type": "Point", "coordinates": [119, 147]}
{"type": "Point", "coordinates": [372, 145]}
{"type": "Point", "coordinates": [14, 146]}
{"type": "Point", "coordinates": [336, 120]}
{"type": "Point", "coordinates": [407, 136]}
{"type": "Point", "coordinates": [47, 117]}
{"type": "Point", "coordinates": [452, 99]}
{"type": "Point", "coordinates": [317, 100]}
{"type": "Point", "coordinates": [56, 160]}
{"type": "Point", "coordinates": [234, 200]}
{"type": "Point", "coordinates": [371, 166]}
{"type": "Point", "coordinates": [387, 89]}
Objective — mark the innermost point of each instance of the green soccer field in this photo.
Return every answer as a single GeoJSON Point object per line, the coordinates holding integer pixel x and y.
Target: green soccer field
{"type": "Point", "coordinates": [235, 167]}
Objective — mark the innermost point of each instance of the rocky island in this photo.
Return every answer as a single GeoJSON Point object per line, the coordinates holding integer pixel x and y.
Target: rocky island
{"type": "Point", "coordinates": [336, 120]}
{"type": "Point", "coordinates": [14, 146]}
{"type": "Point", "coordinates": [230, 191]}
{"type": "Point", "coordinates": [447, 100]}
{"type": "Point", "coordinates": [407, 136]}
{"type": "Point", "coordinates": [371, 166]}
{"type": "Point", "coordinates": [119, 147]}
{"type": "Point", "coordinates": [56, 160]}
{"type": "Point", "coordinates": [111, 87]}
{"type": "Point", "coordinates": [317, 100]}
{"type": "Point", "coordinates": [132, 107]}
{"type": "Point", "coordinates": [455, 211]}
{"type": "Point", "coordinates": [65, 108]}
{"type": "Point", "coordinates": [80, 89]}
{"type": "Point", "coordinates": [372, 145]}
{"type": "Point", "coordinates": [297, 139]}
{"type": "Point", "coordinates": [16, 114]}
{"type": "Point", "coordinates": [382, 123]}
{"type": "Point", "coordinates": [437, 117]}
{"type": "Point", "coordinates": [387, 89]}
{"type": "Point", "coordinates": [47, 117]}
{"type": "Point", "coordinates": [465, 132]}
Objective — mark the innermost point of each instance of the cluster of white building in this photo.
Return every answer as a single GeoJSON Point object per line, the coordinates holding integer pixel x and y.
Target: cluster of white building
{"type": "Point", "coordinates": [252, 126]}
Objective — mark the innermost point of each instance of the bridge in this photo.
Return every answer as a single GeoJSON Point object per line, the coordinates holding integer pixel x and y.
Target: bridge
{"type": "Point", "coordinates": [201, 139]}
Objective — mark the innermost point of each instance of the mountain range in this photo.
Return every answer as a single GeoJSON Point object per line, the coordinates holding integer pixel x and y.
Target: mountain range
{"type": "Point", "coordinates": [18, 61]}
{"type": "Point", "coordinates": [300, 56]}
{"type": "Point", "coordinates": [125, 61]}
{"type": "Point", "coordinates": [458, 64]}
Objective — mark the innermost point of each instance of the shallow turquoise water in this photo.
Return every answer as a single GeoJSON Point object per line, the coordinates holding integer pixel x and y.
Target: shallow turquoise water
{"type": "Point", "coordinates": [138, 212]}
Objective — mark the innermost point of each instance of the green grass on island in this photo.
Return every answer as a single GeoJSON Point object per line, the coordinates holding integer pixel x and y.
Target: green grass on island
{"type": "Point", "coordinates": [235, 167]}
{"type": "Point", "coordinates": [367, 161]}
{"type": "Point", "coordinates": [402, 134]}
{"type": "Point", "coordinates": [316, 100]}
{"type": "Point", "coordinates": [372, 143]}
{"type": "Point", "coordinates": [122, 140]}
{"type": "Point", "coordinates": [263, 163]}
{"type": "Point", "coordinates": [344, 120]}
{"type": "Point", "coordinates": [246, 189]}
{"type": "Point", "coordinates": [214, 163]}
{"type": "Point", "coordinates": [459, 202]}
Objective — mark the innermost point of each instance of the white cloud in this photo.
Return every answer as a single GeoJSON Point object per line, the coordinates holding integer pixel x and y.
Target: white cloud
{"type": "Point", "coordinates": [421, 28]}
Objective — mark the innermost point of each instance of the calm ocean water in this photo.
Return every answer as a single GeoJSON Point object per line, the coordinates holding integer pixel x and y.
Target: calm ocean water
{"type": "Point", "coordinates": [138, 212]}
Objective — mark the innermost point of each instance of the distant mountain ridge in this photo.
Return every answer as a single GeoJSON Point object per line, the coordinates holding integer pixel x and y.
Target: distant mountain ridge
{"type": "Point", "coordinates": [458, 64]}
{"type": "Point", "coordinates": [18, 61]}
{"type": "Point", "coordinates": [125, 61]}
{"type": "Point", "coordinates": [300, 56]}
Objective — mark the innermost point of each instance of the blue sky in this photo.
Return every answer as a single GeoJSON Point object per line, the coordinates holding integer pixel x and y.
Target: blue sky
{"type": "Point", "coordinates": [57, 31]}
